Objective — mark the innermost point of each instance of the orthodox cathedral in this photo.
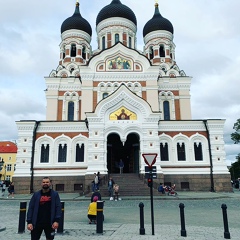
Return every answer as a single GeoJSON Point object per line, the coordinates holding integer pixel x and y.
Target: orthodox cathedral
{"type": "Point", "coordinates": [117, 102]}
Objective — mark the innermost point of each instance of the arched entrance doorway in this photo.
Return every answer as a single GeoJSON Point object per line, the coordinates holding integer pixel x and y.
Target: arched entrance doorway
{"type": "Point", "coordinates": [129, 153]}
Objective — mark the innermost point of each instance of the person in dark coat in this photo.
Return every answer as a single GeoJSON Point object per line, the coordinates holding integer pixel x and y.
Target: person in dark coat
{"type": "Point", "coordinates": [110, 187]}
{"type": "Point", "coordinates": [44, 212]}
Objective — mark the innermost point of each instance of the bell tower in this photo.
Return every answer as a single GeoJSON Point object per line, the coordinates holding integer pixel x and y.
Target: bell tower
{"type": "Point", "coordinates": [158, 39]}
{"type": "Point", "coordinates": [76, 35]}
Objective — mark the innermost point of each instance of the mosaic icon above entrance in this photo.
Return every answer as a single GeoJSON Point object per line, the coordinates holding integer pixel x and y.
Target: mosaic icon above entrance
{"type": "Point", "coordinates": [123, 114]}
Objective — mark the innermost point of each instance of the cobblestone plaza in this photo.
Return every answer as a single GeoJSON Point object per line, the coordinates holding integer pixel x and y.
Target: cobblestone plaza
{"type": "Point", "coordinates": [203, 217]}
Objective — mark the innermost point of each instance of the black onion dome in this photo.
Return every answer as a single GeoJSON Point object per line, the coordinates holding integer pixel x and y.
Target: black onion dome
{"type": "Point", "coordinates": [76, 21]}
{"type": "Point", "coordinates": [158, 22]}
{"type": "Point", "coordinates": [116, 9]}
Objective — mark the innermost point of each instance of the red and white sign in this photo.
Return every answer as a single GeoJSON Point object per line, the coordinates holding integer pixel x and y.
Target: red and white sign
{"type": "Point", "coordinates": [149, 158]}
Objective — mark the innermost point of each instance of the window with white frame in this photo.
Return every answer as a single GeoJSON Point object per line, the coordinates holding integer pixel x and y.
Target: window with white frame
{"type": "Point", "coordinates": [164, 152]}
{"type": "Point", "coordinates": [103, 43]}
{"type": "Point", "coordinates": [9, 168]}
{"type": "Point", "coordinates": [44, 153]}
{"type": "Point", "coordinates": [73, 52]}
{"type": "Point", "coordinates": [62, 152]}
{"type": "Point", "coordinates": [181, 152]}
{"type": "Point", "coordinates": [198, 151]}
{"type": "Point", "coordinates": [8, 178]}
{"type": "Point", "coordinates": [70, 111]}
{"type": "Point", "coordinates": [166, 110]}
{"type": "Point", "coordinates": [80, 152]}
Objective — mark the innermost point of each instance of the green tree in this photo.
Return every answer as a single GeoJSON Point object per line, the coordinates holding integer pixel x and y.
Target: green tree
{"type": "Point", "coordinates": [236, 135]}
{"type": "Point", "coordinates": [235, 167]}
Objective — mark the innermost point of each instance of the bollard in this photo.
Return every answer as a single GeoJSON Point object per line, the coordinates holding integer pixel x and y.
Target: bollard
{"type": "Point", "coordinates": [183, 230]}
{"type": "Point", "coordinates": [142, 229]}
{"type": "Point", "coordinates": [61, 221]}
{"type": "Point", "coordinates": [225, 222]}
{"type": "Point", "coordinates": [22, 217]}
{"type": "Point", "coordinates": [99, 227]}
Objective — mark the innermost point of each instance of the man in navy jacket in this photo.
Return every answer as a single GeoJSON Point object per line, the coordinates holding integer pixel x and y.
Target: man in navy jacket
{"type": "Point", "coordinates": [44, 212]}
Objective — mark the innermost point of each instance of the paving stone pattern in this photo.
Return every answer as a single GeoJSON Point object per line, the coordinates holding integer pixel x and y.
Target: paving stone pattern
{"type": "Point", "coordinates": [203, 217]}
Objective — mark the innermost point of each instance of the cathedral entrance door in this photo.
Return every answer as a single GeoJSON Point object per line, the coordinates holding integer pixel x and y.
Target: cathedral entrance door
{"type": "Point", "coordinates": [129, 153]}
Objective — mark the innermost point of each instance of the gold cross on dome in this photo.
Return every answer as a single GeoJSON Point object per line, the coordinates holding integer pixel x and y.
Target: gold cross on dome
{"type": "Point", "coordinates": [156, 1]}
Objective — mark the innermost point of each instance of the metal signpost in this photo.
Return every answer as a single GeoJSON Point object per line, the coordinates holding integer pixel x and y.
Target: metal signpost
{"type": "Point", "coordinates": [150, 159]}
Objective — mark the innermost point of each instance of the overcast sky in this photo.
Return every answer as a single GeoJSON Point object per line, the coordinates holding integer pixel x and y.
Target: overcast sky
{"type": "Point", "coordinates": [206, 35]}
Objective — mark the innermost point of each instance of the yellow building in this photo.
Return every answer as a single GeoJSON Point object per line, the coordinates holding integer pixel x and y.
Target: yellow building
{"type": "Point", "coordinates": [8, 152]}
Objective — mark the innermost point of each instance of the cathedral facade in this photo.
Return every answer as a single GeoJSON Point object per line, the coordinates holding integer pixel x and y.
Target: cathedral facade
{"type": "Point", "coordinates": [117, 102]}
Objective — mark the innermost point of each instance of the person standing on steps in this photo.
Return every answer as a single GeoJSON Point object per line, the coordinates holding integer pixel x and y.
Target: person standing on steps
{"type": "Point", "coordinates": [121, 166]}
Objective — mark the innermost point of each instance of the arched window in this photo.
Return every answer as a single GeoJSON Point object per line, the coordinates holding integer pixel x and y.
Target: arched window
{"type": "Point", "coordinates": [44, 153]}
{"type": "Point", "coordinates": [151, 53]}
{"type": "Point", "coordinates": [80, 153]}
{"type": "Point", "coordinates": [104, 95]}
{"type": "Point", "coordinates": [198, 151]}
{"type": "Point", "coordinates": [166, 110]}
{"type": "Point", "coordinates": [73, 50]}
{"type": "Point", "coordinates": [130, 42]}
{"type": "Point", "coordinates": [64, 53]}
{"type": "Point", "coordinates": [116, 38]}
{"type": "Point", "coordinates": [162, 51]}
{"type": "Point", "coordinates": [103, 43]}
{"type": "Point", "coordinates": [62, 153]}
{"type": "Point", "coordinates": [181, 152]}
{"type": "Point", "coordinates": [84, 52]}
{"type": "Point", "coordinates": [164, 152]}
{"type": "Point", "coordinates": [70, 111]}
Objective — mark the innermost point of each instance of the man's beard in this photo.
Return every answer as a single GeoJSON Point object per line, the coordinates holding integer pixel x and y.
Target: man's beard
{"type": "Point", "coordinates": [45, 187]}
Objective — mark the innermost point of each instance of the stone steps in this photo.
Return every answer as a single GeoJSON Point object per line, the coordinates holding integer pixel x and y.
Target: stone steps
{"type": "Point", "coordinates": [129, 185]}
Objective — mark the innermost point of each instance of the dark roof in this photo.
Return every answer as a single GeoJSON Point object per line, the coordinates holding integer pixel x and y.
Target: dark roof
{"type": "Point", "coordinates": [158, 22]}
{"type": "Point", "coordinates": [116, 9]}
{"type": "Point", "coordinates": [76, 21]}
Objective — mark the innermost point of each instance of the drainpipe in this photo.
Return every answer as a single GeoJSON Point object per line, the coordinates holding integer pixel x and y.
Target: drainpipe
{"type": "Point", "coordinates": [210, 157]}
{"type": "Point", "coordinates": [32, 157]}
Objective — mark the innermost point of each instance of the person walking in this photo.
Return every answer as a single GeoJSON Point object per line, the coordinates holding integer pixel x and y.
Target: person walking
{"type": "Point", "coordinates": [110, 187]}
{"type": "Point", "coordinates": [96, 182]}
{"type": "Point", "coordinates": [44, 212]}
{"type": "Point", "coordinates": [3, 188]}
{"type": "Point", "coordinates": [11, 190]}
{"type": "Point", "coordinates": [99, 180]}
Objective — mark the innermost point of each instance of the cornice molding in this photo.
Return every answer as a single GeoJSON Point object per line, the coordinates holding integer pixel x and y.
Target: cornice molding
{"type": "Point", "coordinates": [76, 34]}
{"type": "Point", "coordinates": [158, 34]}
{"type": "Point", "coordinates": [116, 21]}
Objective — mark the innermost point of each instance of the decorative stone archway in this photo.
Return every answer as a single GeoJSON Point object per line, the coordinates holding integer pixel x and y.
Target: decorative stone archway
{"type": "Point", "coordinates": [127, 151]}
